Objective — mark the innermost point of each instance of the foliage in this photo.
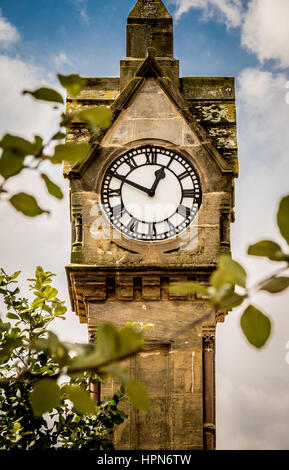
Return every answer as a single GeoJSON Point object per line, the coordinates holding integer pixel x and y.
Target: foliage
{"type": "Point", "coordinates": [228, 284]}
{"type": "Point", "coordinates": [20, 154]}
{"type": "Point", "coordinates": [45, 397]}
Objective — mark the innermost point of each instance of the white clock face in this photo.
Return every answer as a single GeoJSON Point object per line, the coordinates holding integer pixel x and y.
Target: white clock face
{"type": "Point", "coordinates": [151, 193]}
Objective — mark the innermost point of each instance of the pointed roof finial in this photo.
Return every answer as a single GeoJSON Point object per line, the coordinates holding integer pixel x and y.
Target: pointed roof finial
{"type": "Point", "coordinates": [149, 9]}
{"type": "Point", "coordinates": [149, 25]}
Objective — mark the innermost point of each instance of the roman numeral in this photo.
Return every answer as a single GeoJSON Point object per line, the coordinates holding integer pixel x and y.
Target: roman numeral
{"type": "Point", "coordinates": [113, 174]}
{"type": "Point", "coordinates": [113, 192]}
{"type": "Point", "coordinates": [151, 157]}
{"type": "Point", "coordinates": [118, 211]}
{"type": "Point", "coordinates": [170, 162]}
{"type": "Point", "coordinates": [184, 211]}
{"type": "Point", "coordinates": [171, 226]}
{"type": "Point", "coordinates": [189, 193]}
{"type": "Point", "coordinates": [133, 225]}
{"type": "Point", "coordinates": [183, 175]}
{"type": "Point", "coordinates": [131, 163]}
{"type": "Point", "coordinates": [152, 229]}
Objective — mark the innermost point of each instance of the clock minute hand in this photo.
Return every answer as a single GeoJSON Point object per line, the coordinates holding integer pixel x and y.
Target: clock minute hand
{"type": "Point", "coordinates": [160, 174]}
{"type": "Point", "coordinates": [132, 183]}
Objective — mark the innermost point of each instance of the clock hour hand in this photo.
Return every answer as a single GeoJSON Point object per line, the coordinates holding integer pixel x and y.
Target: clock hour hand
{"type": "Point", "coordinates": [132, 183]}
{"type": "Point", "coordinates": [160, 174]}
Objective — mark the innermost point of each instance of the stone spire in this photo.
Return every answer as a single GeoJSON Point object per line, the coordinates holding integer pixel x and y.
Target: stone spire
{"type": "Point", "coordinates": [149, 25]}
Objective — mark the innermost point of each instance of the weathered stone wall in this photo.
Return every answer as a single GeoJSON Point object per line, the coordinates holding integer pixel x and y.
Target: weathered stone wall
{"type": "Point", "coordinates": [212, 102]}
{"type": "Point", "coordinates": [171, 366]}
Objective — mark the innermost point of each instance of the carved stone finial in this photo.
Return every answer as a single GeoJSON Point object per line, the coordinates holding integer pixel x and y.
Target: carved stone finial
{"type": "Point", "coordinates": [149, 9]}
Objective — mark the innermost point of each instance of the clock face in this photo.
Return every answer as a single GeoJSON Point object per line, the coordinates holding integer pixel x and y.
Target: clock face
{"type": "Point", "coordinates": [151, 193]}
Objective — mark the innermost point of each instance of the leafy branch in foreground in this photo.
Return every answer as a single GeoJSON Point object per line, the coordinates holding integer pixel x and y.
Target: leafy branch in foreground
{"type": "Point", "coordinates": [228, 284]}
{"type": "Point", "coordinates": [20, 154]}
{"type": "Point", "coordinates": [45, 384]}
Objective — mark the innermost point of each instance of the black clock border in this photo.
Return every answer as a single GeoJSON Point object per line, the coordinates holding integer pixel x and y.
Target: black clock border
{"type": "Point", "coordinates": [151, 149]}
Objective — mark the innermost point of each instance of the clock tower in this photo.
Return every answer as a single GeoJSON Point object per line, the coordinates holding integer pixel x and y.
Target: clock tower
{"type": "Point", "coordinates": [151, 206]}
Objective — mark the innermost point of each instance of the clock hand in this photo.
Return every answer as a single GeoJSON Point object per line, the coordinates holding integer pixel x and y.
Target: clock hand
{"type": "Point", "coordinates": [160, 174]}
{"type": "Point", "coordinates": [132, 183]}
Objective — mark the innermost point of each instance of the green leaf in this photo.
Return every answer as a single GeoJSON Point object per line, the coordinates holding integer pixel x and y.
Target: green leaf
{"type": "Point", "coordinates": [276, 284]}
{"type": "Point", "coordinates": [54, 348]}
{"type": "Point", "coordinates": [45, 94]}
{"type": "Point", "coordinates": [129, 340]}
{"type": "Point", "coordinates": [38, 331]}
{"type": "Point", "coordinates": [97, 118]}
{"type": "Point", "coordinates": [256, 326]}
{"type": "Point", "coordinates": [15, 275]}
{"type": "Point", "coordinates": [26, 204]}
{"type": "Point", "coordinates": [60, 309]}
{"type": "Point", "coordinates": [12, 316]}
{"type": "Point", "coordinates": [11, 164]}
{"type": "Point", "coordinates": [17, 145]}
{"type": "Point", "coordinates": [72, 153]}
{"type": "Point", "coordinates": [283, 218]}
{"type": "Point", "coordinates": [45, 396]}
{"type": "Point", "coordinates": [52, 188]}
{"type": "Point", "coordinates": [228, 272]}
{"type": "Point", "coordinates": [73, 83]}
{"type": "Point", "coordinates": [50, 293]}
{"type": "Point", "coordinates": [222, 294]}
{"type": "Point", "coordinates": [4, 326]}
{"type": "Point", "coordinates": [116, 371]}
{"type": "Point", "coordinates": [108, 344]}
{"type": "Point", "coordinates": [38, 144]}
{"type": "Point", "coordinates": [137, 395]}
{"type": "Point", "coordinates": [268, 249]}
{"type": "Point", "coordinates": [13, 340]}
{"type": "Point", "coordinates": [59, 136]}
{"type": "Point", "coordinates": [232, 301]}
{"type": "Point", "coordinates": [188, 287]}
{"type": "Point", "coordinates": [16, 427]}
{"type": "Point", "coordinates": [80, 398]}
{"type": "Point", "coordinates": [40, 277]}
{"type": "Point", "coordinates": [111, 345]}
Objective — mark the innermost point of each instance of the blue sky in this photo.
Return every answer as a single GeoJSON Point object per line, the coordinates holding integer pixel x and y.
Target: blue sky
{"type": "Point", "coordinates": [95, 41]}
{"type": "Point", "coordinates": [246, 39]}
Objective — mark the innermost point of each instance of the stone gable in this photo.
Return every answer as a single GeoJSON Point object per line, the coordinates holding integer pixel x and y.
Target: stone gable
{"type": "Point", "coordinates": [150, 115]}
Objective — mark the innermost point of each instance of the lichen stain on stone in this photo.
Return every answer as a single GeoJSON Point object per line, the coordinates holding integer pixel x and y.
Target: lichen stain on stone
{"type": "Point", "coordinates": [225, 138]}
{"type": "Point", "coordinates": [215, 113]}
{"type": "Point", "coordinates": [77, 106]}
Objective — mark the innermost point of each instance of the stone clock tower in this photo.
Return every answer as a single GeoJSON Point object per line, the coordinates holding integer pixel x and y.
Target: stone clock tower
{"type": "Point", "coordinates": [151, 206]}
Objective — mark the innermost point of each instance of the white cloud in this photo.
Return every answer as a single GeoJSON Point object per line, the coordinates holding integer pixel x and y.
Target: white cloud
{"type": "Point", "coordinates": [263, 139]}
{"type": "Point", "coordinates": [80, 6]}
{"type": "Point", "coordinates": [21, 113]}
{"type": "Point", "coordinates": [228, 11]}
{"type": "Point", "coordinates": [8, 33]}
{"type": "Point", "coordinates": [265, 30]}
{"type": "Point", "coordinates": [62, 60]}
{"type": "Point", "coordinates": [45, 240]}
{"type": "Point", "coordinates": [84, 15]}
{"type": "Point", "coordinates": [262, 98]}
{"type": "Point", "coordinates": [252, 416]}
{"type": "Point", "coordinates": [251, 384]}
{"type": "Point", "coordinates": [264, 24]}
